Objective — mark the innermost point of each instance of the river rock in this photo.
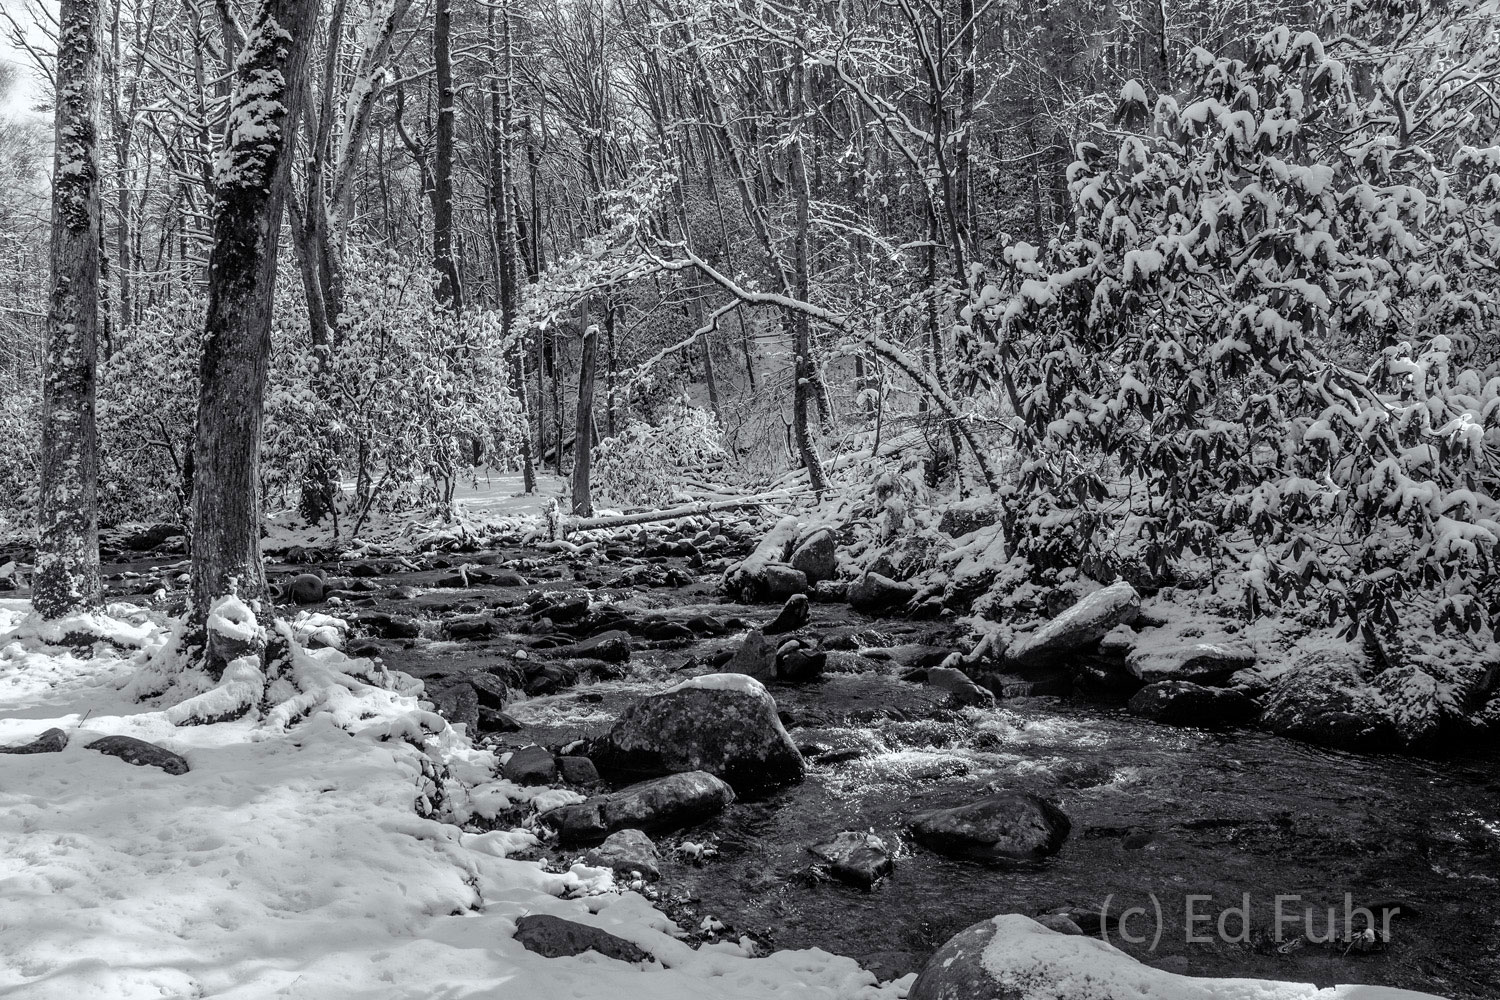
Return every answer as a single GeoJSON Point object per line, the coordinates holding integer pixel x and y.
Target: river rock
{"type": "Point", "coordinates": [756, 657]}
{"type": "Point", "coordinates": [51, 741]}
{"type": "Point", "coordinates": [491, 691]}
{"type": "Point", "coordinates": [725, 724]}
{"type": "Point", "coordinates": [492, 720]}
{"type": "Point", "coordinates": [469, 627]}
{"type": "Point", "coordinates": [1200, 662]}
{"type": "Point", "coordinates": [1326, 697]}
{"type": "Point", "coordinates": [778, 580]}
{"type": "Point", "coordinates": [1183, 703]}
{"type": "Point", "coordinates": [140, 753]}
{"type": "Point", "coordinates": [305, 588]}
{"type": "Point", "coordinates": [859, 859]}
{"type": "Point", "coordinates": [794, 614]}
{"type": "Point", "coordinates": [627, 851]}
{"type": "Point", "coordinates": [873, 593]}
{"type": "Point", "coordinates": [668, 803]}
{"type": "Point", "coordinates": [816, 556]}
{"type": "Point", "coordinates": [798, 662]}
{"type": "Point", "coordinates": [960, 687]}
{"type": "Point", "coordinates": [1083, 624]}
{"type": "Point", "coordinates": [458, 703]}
{"type": "Point", "coordinates": [611, 647]}
{"type": "Point", "coordinates": [530, 766]}
{"type": "Point", "coordinates": [555, 937]}
{"type": "Point", "coordinates": [151, 537]}
{"type": "Point", "coordinates": [578, 770]}
{"type": "Point", "coordinates": [387, 626]}
{"type": "Point", "coordinates": [1005, 825]}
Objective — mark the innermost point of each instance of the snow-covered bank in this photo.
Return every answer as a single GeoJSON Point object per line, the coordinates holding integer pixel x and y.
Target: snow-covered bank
{"type": "Point", "coordinates": [294, 865]}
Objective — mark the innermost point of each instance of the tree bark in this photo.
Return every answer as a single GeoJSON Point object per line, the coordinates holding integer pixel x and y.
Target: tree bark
{"type": "Point", "coordinates": [250, 190]}
{"type": "Point", "coordinates": [583, 504]}
{"type": "Point", "coordinates": [449, 292]}
{"type": "Point", "coordinates": [802, 370]}
{"type": "Point", "coordinates": [67, 561]}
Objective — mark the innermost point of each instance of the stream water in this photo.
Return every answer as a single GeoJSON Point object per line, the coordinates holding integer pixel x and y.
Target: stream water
{"type": "Point", "coordinates": [1159, 814]}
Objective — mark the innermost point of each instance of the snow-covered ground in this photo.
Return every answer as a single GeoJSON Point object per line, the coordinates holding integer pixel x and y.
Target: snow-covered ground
{"type": "Point", "coordinates": [293, 864]}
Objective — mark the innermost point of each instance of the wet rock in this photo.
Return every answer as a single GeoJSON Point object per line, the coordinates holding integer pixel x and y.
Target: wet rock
{"type": "Point", "coordinates": [140, 753]}
{"type": "Point", "coordinates": [491, 691]}
{"type": "Point", "coordinates": [561, 608]}
{"type": "Point", "coordinates": [469, 627]}
{"type": "Point", "coordinates": [305, 588]}
{"type": "Point", "coordinates": [960, 687]}
{"type": "Point", "coordinates": [554, 676]}
{"type": "Point", "coordinates": [151, 537]}
{"type": "Point", "coordinates": [779, 580]}
{"type": "Point", "coordinates": [798, 663]}
{"type": "Point", "coordinates": [1035, 685]}
{"type": "Point", "coordinates": [873, 593]}
{"type": "Point", "coordinates": [365, 568]}
{"type": "Point", "coordinates": [1083, 624]}
{"type": "Point", "coordinates": [1183, 703]}
{"type": "Point", "coordinates": [662, 630]}
{"type": "Point", "coordinates": [1326, 698]}
{"type": "Point", "coordinates": [724, 724]}
{"type": "Point", "coordinates": [578, 770]}
{"type": "Point", "coordinates": [458, 703]}
{"type": "Point", "coordinates": [756, 658]}
{"type": "Point", "coordinates": [794, 614]}
{"type": "Point", "coordinates": [816, 556]}
{"type": "Point", "coordinates": [387, 626]}
{"type": "Point", "coordinates": [627, 852]}
{"type": "Point", "coordinates": [859, 859]}
{"type": "Point", "coordinates": [507, 578]}
{"type": "Point", "coordinates": [669, 803]}
{"type": "Point", "coordinates": [530, 766]}
{"type": "Point", "coordinates": [829, 592]}
{"type": "Point", "coordinates": [611, 647]}
{"type": "Point", "coordinates": [1006, 825]}
{"type": "Point", "coordinates": [1200, 662]}
{"type": "Point", "coordinates": [555, 937]}
{"type": "Point", "coordinates": [494, 721]}
{"type": "Point", "coordinates": [51, 741]}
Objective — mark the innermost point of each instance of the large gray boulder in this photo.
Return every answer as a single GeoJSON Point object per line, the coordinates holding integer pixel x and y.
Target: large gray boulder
{"type": "Point", "coordinates": [669, 803]}
{"type": "Point", "coordinates": [725, 724]}
{"type": "Point", "coordinates": [874, 593]}
{"type": "Point", "coordinates": [1199, 662]}
{"type": "Point", "coordinates": [626, 852]}
{"type": "Point", "coordinates": [816, 556]}
{"type": "Point", "coordinates": [1183, 703]}
{"type": "Point", "coordinates": [1005, 825]}
{"type": "Point", "coordinates": [1076, 627]}
{"type": "Point", "coordinates": [1327, 697]}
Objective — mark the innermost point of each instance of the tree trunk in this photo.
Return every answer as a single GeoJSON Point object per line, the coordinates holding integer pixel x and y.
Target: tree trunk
{"type": "Point", "coordinates": [67, 559]}
{"type": "Point", "coordinates": [249, 195]}
{"type": "Point", "coordinates": [449, 292]}
{"type": "Point", "coordinates": [583, 505]}
{"type": "Point", "coordinates": [802, 335]}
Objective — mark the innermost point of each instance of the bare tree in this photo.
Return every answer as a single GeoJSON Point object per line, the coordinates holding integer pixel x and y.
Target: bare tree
{"type": "Point", "coordinates": [67, 563]}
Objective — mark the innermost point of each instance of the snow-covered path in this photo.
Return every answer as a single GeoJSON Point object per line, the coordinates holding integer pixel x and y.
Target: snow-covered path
{"type": "Point", "coordinates": [292, 865]}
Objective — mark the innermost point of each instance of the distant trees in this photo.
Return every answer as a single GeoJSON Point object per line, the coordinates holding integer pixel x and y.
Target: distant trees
{"type": "Point", "coordinates": [67, 564]}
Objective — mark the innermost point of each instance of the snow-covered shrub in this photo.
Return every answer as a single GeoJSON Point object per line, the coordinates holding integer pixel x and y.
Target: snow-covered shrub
{"type": "Point", "coordinates": [20, 455]}
{"type": "Point", "coordinates": [1275, 315]}
{"type": "Point", "coordinates": [643, 463]}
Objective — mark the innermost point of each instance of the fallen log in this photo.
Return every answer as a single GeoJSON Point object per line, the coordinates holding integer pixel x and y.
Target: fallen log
{"type": "Point", "coordinates": [572, 524]}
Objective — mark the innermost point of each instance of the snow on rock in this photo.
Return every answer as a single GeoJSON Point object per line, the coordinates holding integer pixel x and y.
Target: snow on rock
{"type": "Point", "coordinates": [1198, 662]}
{"type": "Point", "coordinates": [1011, 957]}
{"type": "Point", "coordinates": [1081, 625]}
{"type": "Point", "coordinates": [291, 862]}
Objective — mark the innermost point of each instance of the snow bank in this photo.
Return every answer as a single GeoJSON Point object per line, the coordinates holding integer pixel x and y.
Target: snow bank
{"type": "Point", "coordinates": [290, 862]}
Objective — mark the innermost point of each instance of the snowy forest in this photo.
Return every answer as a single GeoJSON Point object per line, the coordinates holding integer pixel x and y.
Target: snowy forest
{"type": "Point", "coordinates": [747, 499]}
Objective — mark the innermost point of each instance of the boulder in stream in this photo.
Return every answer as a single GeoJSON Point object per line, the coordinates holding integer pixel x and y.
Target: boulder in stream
{"type": "Point", "coordinates": [874, 593]}
{"type": "Point", "coordinates": [1005, 825]}
{"type": "Point", "coordinates": [1327, 697]}
{"type": "Point", "coordinates": [1199, 662]}
{"type": "Point", "coordinates": [1075, 627]}
{"type": "Point", "coordinates": [627, 851]}
{"type": "Point", "coordinates": [859, 859]}
{"type": "Point", "coordinates": [530, 766]}
{"type": "Point", "coordinates": [755, 658]}
{"type": "Point", "coordinates": [794, 614]}
{"type": "Point", "coordinates": [960, 687]}
{"type": "Point", "coordinates": [669, 803]}
{"type": "Point", "coordinates": [725, 724]}
{"type": "Point", "coordinates": [1183, 703]}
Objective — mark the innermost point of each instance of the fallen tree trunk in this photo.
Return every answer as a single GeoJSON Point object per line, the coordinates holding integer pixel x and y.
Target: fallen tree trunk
{"type": "Point", "coordinates": [687, 510]}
